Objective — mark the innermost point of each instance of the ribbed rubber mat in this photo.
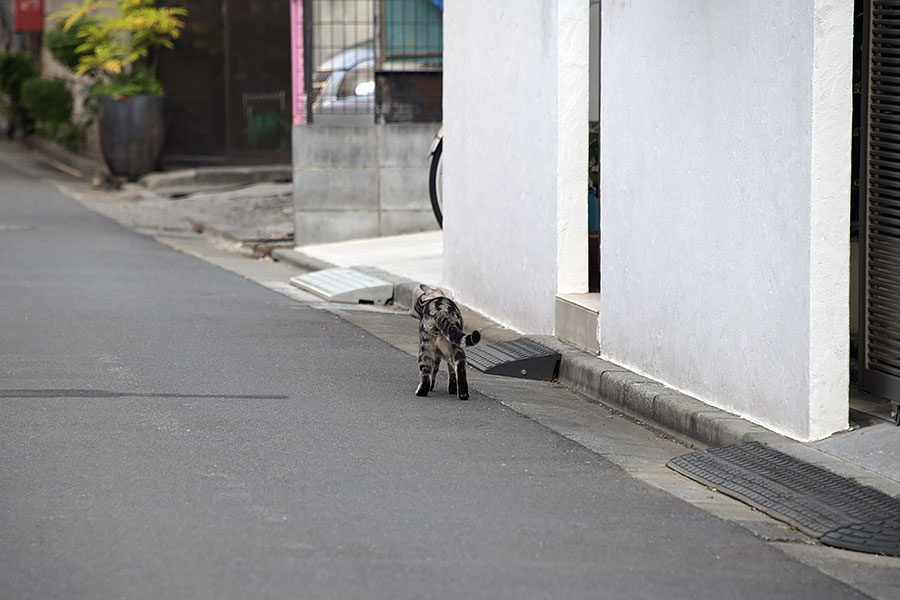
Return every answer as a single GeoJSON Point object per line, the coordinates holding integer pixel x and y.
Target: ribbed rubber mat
{"type": "Point", "coordinates": [808, 497]}
{"type": "Point", "coordinates": [881, 536]}
{"type": "Point", "coordinates": [516, 358]}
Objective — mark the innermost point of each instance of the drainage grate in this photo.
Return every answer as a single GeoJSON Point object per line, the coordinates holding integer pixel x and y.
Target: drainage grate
{"type": "Point", "coordinates": [808, 497]}
{"type": "Point", "coordinates": [516, 358]}
{"type": "Point", "coordinates": [345, 285]}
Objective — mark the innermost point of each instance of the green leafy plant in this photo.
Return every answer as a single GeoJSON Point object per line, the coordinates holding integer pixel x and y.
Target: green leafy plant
{"type": "Point", "coordinates": [116, 39]}
{"type": "Point", "coordinates": [70, 135]}
{"type": "Point", "coordinates": [15, 69]}
{"type": "Point", "coordinates": [50, 102]}
{"type": "Point", "coordinates": [123, 85]}
{"type": "Point", "coordinates": [63, 42]}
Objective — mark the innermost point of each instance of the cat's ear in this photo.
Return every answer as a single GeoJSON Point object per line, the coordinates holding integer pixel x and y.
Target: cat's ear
{"type": "Point", "coordinates": [424, 288]}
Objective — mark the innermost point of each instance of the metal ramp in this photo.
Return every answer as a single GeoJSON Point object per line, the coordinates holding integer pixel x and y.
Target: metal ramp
{"type": "Point", "coordinates": [345, 285]}
{"type": "Point", "coordinates": [521, 358]}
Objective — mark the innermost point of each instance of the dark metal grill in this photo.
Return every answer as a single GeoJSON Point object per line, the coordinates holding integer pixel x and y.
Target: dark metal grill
{"type": "Point", "coordinates": [882, 207]}
{"type": "Point", "coordinates": [373, 60]}
{"type": "Point", "coordinates": [229, 82]}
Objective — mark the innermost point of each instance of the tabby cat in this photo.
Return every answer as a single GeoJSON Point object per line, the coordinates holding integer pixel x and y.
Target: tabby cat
{"type": "Point", "coordinates": [441, 336]}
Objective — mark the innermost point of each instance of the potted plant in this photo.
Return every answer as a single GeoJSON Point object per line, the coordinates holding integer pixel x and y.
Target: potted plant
{"type": "Point", "coordinates": [116, 39]}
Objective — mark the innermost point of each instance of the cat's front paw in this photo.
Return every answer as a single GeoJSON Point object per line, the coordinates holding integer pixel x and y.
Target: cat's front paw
{"type": "Point", "coordinates": [423, 389]}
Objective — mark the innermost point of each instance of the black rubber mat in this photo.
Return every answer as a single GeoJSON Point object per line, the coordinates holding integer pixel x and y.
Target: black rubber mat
{"type": "Point", "coordinates": [516, 358]}
{"type": "Point", "coordinates": [881, 536]}
{"type": "Point", "coordinates": [814, 500]}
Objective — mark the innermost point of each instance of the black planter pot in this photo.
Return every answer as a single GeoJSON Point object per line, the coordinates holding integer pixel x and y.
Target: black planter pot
{"type": "Point", "coordinates": [131, 134]}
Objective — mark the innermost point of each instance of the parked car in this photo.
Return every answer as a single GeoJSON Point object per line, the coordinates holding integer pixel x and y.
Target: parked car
{"type": "Point", "coordinates": [345, 87]}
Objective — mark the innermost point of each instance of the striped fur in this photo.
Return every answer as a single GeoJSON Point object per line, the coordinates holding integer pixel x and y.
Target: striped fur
{"type": "Point", "coordinates": [441, 335]}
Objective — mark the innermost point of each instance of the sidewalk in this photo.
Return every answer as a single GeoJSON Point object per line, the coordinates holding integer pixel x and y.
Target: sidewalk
{"type": "Point", "coordinates": [864, 454]}
{"type": "Point", "coordinates": [251, 206]}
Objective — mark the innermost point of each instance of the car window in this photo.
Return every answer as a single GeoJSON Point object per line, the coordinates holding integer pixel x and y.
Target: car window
{"type": "Point", "coordinates": [358, 81]}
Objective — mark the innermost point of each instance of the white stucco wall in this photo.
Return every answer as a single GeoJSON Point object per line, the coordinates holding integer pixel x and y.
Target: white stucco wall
{"type": "Point", "coordinates": [515, 152]}
{"type": "Point", "coordinates": [725, 152]}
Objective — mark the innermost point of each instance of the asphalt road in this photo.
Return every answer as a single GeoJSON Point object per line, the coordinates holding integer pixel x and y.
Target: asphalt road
{"type": "Point", "coordinates": [169, 429]}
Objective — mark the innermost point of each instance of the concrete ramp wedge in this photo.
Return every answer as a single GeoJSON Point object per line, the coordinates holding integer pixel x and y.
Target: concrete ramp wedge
{"type": "Point", "coordinates": [345, 285]}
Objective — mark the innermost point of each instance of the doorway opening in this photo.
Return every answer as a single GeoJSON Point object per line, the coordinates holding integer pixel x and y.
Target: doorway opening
{"type": "Point", "coordinates": [875, 215]}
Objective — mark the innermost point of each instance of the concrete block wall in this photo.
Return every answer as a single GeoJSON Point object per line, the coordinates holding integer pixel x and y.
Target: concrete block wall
{"type": "Point", "coordinates": [358, 182]}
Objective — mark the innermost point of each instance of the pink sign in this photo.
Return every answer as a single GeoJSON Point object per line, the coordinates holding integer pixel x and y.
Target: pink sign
{"type": "Point", "coordinates": [299, 92]}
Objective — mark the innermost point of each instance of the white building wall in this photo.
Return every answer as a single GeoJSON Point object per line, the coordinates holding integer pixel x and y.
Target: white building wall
{"type": "Point", "coordinates": [515, 152]}
{"type": "Point", "coordinates": [725, 153]}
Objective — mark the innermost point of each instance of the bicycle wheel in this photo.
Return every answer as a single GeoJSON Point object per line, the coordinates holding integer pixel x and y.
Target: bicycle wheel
{"type": "Point", "coordinates": [434, 184]}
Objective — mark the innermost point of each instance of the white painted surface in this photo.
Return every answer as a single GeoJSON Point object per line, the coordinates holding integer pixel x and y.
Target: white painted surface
{"type": "Point", "coordinates": [725, 184]}
{"type": "Point", "coordinates": [416, 256]}
{"type": "Point", "coordinates": [515, 152]}
{"type": "Point", "coordinates": [830, 242]}
{"type": "Point", "coordinates": [345, 285]}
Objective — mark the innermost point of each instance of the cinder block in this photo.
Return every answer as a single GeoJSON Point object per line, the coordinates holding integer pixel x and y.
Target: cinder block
{"type": "Point", "coordinates": [614, 385]}
{"type": "Point", "coordinates": [396, 222]}
{"type": "Point", "coordinates": [406, 145]}
{"type": "Point", "coordinates": [336, 189]}
{"type": "Point", "coordinates": [583, 372]}
{"type": "Point", "coordinates": [675, 410]}
{"type": "Point", "coordinates": [404, 189]}
{"type": "Point", "coordinates": [316, 227]}
{"type": "Point", "coordinates": [640, 395]}
{"type": "Point", "coordinates": [718, 428]}
{"type": "Point", "coordinates": [323, 147]}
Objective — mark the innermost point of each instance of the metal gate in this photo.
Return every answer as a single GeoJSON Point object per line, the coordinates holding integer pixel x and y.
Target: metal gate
{"type": "Point", "coordinates": [229, 82]}
{"type": "Point", "coordinates": [879, 350]}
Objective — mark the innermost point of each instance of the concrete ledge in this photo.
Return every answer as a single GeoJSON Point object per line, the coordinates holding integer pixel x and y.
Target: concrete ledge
{"type": "Point", "coordinates": [218, 176]}
{"type": "Point", "coordinates": [576, 317]}
{"type": "Point", "coordinates": [78, 165]}
{"type": "Point", "coordinates": [300, 260]}
{"type": "Point", "coordinates": [652, 401]}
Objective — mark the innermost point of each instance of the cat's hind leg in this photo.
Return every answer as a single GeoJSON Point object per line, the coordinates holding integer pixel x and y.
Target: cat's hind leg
{"type": "Point", "coordinates": [462, 384]}
{"type": "Point", "coordinates": [427, 369]}
{"type": "Point", "coordinates": [451, 388]}
{"type": "Point", "coordinates": [434, 371]}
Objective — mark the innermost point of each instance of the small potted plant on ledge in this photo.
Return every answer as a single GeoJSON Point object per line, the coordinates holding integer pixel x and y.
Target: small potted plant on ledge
{"type": "Point", "coordinates": [116, 39]}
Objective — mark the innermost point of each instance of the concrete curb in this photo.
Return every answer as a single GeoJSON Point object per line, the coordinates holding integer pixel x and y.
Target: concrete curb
{"type": "Point", "coordinates": [83, 167]}
{"type": "Point", "coordinates": [654, 402]}
{"type": "Point", "coordinates": [217, 176]}
{"type": "Point", "coordinates": [300, 260]}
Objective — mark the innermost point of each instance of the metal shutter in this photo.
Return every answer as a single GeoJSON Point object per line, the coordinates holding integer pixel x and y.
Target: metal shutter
{"type": "Point", "coordinates": [880, 210]}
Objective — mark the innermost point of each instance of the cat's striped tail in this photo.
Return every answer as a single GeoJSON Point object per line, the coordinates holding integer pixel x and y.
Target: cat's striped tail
{"type": "Point", "coordinates": [457, 335]}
